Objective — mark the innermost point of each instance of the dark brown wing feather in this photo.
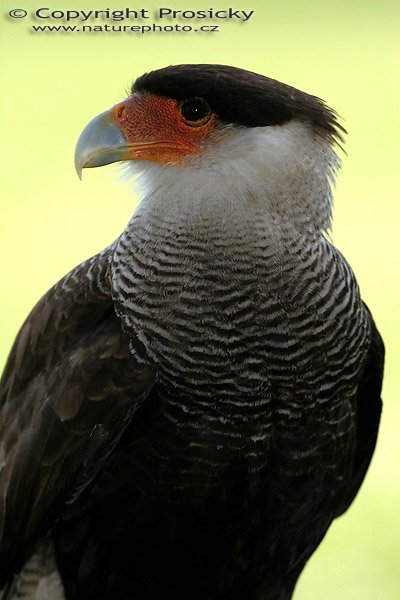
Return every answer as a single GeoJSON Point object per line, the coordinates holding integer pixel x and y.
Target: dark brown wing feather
{"type": "Point", "coordinates": [69, 389]}
{"type": "Point", "coordinates": [369, 407]}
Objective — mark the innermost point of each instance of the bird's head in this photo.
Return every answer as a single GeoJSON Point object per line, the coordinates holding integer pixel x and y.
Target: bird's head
{"type": "Point", "coordinates": [222, 120]}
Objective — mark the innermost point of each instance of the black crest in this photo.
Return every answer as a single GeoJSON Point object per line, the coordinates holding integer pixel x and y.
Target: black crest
{"type": "Point", "coordinates": [241, 97]}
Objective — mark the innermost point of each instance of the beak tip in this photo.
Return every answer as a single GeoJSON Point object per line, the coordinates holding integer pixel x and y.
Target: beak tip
{"type": "Point", "coordinates": [79, 171]}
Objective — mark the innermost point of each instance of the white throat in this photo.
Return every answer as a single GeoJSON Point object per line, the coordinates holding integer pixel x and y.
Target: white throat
{"type": "Point", "coordinates": [284, 172]}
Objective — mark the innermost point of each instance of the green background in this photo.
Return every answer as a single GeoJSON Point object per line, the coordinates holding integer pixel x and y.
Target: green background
{"type": "Point", "coordinates": [346, 52]}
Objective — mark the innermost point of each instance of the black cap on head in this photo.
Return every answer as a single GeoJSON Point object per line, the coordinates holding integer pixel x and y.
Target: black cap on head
{"type": "Point", "coordinates": [241, 97]}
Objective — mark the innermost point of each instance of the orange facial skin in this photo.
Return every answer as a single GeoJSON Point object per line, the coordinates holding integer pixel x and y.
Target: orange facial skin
{"type": "Point", "coordinates": [155, 129]}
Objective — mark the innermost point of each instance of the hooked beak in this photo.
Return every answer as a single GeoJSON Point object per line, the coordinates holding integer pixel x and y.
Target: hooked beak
{"type": "Point", "coordinates": [100, 143]}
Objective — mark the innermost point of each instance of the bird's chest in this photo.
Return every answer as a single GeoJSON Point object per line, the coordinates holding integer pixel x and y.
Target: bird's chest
{"type": "Point", "coordinates": [238, 310]}
{"type": "Point", "coordinates": [232, 314]}
{"type": "Point", "coordinates": [202, 311]}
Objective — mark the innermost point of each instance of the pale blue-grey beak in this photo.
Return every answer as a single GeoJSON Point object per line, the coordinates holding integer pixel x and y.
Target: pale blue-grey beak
{"type": "Point", "coordinates": [100, 143]}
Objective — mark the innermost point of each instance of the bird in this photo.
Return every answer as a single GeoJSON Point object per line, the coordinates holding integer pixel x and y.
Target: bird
{"type": "Point", "coordinates": [183, 415]}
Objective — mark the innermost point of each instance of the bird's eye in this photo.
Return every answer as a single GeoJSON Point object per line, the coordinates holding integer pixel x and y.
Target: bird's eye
{"type": "Point", "coordinates": [195, 111]}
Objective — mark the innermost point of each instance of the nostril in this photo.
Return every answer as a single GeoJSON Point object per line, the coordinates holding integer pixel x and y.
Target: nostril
{"type": "Point", "coordinates": [120, 111]}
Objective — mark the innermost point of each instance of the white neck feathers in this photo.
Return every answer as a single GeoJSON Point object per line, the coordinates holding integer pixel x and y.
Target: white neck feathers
{"type": "Point", "coordinates": [284, 171]}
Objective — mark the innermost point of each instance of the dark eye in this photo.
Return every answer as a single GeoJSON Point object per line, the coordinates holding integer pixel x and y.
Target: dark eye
{"type": "Point", "coordinates": [195, 111]}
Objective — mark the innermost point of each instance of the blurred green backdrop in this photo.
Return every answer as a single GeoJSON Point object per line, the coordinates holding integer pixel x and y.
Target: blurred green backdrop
{"type": "Point", "coordinates": [345, 52]}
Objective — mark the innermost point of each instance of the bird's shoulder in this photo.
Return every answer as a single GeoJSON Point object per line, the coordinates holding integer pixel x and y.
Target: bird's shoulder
{"type": "Point", "coordinates": [75, 301]}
